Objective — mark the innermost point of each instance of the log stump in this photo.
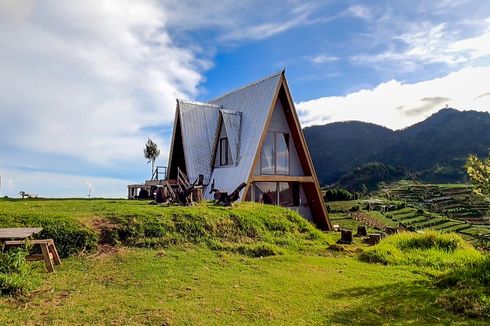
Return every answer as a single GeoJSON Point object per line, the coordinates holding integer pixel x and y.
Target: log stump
{"type": "Point", "coordinates": [346, 237]}
{"type": "Point", "coordinates": [391, 230]}
{"type": "Point", "coordinates": [362, 231]}
{"type": "Point", "coordinates": [374, 238]}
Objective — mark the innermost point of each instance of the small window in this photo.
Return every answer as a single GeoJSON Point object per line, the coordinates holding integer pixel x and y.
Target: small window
{"type": "Point", "coordinates": [223, 149]}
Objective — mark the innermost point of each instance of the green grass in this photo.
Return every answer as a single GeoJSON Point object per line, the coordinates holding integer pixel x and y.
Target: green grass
{"type": "Point", "coordinates": [250, 264]}
{"type": "Point", "coordinates": [381, 217]}
{"type": "Point", "coordinates": [193, 285]}
{"type": "Point", "coordinates": [136, 223]}
{"type": "Point", "coordinates": [343, 206]}
{"type": "Point", "coordinates": [431, 249]}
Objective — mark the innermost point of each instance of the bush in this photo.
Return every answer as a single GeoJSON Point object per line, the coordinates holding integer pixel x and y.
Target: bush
{"type": "Point", "coordinates": [69, 238]}
{"type": "Point", "coordinates": [337, 195]}
{"type": "Point", "coordinates": [15, 273]}
{"type": "Point", "coordinates": [429, 249]}
{"type": "Point", "coordinates": [467, 289]}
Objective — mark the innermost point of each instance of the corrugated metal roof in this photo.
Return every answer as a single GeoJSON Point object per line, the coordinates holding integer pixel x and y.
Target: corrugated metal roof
{"type": "Point", "coordinates": [233, 125]}
{"type": "Point", "coordinates": [254, 101]}
{"type": "Point", "coordinates": [199, 123]}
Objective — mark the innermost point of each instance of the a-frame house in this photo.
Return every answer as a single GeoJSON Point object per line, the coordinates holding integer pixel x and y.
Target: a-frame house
{"type": "Point", "coordinates": [250, 135]}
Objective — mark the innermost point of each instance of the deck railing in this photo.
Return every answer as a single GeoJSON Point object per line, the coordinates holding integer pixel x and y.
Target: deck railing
{"type": "Point", "coordinates": [160, 173]}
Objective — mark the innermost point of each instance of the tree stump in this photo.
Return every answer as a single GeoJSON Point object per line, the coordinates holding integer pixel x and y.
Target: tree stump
{"type": "Point", "coordinates": [346, 237]}
{"type": "Point", "coordinates": [374, 238]}
{"type": "Point", "coordinates": [362, 231]}
{"type": "Point", "coordinates": [391, 230]}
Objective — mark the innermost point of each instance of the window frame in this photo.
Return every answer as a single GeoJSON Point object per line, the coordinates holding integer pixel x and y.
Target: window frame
{"type": "Point", "coordinates": [223, 149]}
{"type": "Point", "coordinates": [294, 186]}
{"type": "Point", "coordinates": [274, 153]}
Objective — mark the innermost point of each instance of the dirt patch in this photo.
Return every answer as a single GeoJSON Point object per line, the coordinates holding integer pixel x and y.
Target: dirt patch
{"type": "Point", "coordinates": [108, 231]}
{"type": "Point", "coordinates": [105, 249]}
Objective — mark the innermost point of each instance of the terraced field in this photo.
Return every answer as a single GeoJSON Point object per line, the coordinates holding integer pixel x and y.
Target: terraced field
{"type": "Point", "coordinates": [440, 207]}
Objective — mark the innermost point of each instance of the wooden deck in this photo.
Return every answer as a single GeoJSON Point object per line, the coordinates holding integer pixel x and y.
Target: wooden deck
{"type": "Point", "coordinates": [149, 185]}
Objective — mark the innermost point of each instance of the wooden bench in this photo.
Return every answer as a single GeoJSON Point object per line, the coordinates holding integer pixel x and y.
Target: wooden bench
{"type": "Point", "coordinates": [48, 249]}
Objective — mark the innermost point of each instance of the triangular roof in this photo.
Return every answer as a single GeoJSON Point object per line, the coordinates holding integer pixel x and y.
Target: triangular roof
{"type": "Point", "coordinates": [254, 101]}
{"type": "Point", "coordinates": [245, 113]}
{"type": "Point", "coordinates": [198, 122]}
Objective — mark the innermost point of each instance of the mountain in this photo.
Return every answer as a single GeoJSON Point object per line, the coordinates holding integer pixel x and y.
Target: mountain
{"type": "Point", "coordinates": [435, 149]}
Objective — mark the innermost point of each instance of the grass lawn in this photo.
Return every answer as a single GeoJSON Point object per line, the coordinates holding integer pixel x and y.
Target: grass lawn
{"type": "Point", "coordinates": [208, 270]}
{"type": "Point", "coordinates": [194, 285]}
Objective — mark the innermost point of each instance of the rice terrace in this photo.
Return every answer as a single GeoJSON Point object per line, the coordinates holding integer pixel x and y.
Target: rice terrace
{"type": "Point", "coordinates": [188, 162]}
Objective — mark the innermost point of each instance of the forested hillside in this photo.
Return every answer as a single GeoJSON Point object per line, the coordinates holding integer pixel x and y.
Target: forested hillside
{"type": "Point", "coordinates": [433, 150]}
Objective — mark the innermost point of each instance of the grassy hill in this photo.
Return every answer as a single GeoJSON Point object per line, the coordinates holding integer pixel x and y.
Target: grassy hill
{"type": "Point", "coordinates": [133, 263]}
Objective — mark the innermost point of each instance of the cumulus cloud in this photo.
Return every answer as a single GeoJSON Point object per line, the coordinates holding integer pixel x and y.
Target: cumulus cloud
{"type": "Point", "coordinates": [83, 79]}
{"type": "Point", "coordinates": [397, 105]}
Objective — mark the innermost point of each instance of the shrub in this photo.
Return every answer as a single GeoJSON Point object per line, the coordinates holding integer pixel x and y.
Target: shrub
{"type": "Point", "coordinates": [15, 273]}
{"type": "Point", "coordinates": [337, 195]}
{"type": "Point", "coordinates": [69, 238]}
{"type": "Point", "coordinates": [467, 289]}
{"type": "Point", "coordinates": [429, 249]}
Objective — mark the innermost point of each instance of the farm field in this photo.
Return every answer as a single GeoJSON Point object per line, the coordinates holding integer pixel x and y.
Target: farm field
{"type": "Point", "coordinates": [135, 263]}
{"type": "Point", "coordinates": [445, 208]}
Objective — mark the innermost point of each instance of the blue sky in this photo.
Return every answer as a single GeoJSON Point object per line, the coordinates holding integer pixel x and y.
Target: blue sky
{"type": "Point", "coordinates": [84, 84]}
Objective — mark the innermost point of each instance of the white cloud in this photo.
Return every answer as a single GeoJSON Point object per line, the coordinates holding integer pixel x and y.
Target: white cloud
{"type": "Point", "coordinates": [359, 11]}
{"type": "Point", "coordinates": [322, 59]}
{"type": "Point", "coordinates": [426, 42]}
{"type": "Point", "coordinates": [83, 79]}
{"type": "Point", "coordinates": [397, 105]}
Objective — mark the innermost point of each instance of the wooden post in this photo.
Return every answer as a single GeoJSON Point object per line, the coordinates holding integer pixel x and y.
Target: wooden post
{"type": "Point", "coordinates": [361, 231]}
{"type": "Point", "coordinates": [346, 237]}
{"type": "Point", "coordinates": [374, 238]}
{"type": "Point", "coordinates": [391, 230]}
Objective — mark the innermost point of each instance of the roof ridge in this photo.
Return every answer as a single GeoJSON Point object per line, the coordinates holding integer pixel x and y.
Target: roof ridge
{"type": "Point", "coordinates": [199, 103]}
{"type": "Point", "coordinates": [248, 85]}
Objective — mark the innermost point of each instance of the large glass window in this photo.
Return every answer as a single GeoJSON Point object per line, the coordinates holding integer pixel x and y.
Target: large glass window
{"type": "Point", "coordinates": [274, 157]}
{"type": "Point", "coordinates": [282, 153]}
{"type": "Point", "coordinates": [267, 155]}
{"type": "Point", "coordinates": [276, 193]}
{"type": "Point", "coordinates": [265, 192]}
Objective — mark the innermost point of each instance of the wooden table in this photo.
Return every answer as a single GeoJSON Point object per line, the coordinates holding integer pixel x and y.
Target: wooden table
{"type": "Point", "coordinates": [18, 233]}
{"type": "Point", "coordinates": [19, 237]}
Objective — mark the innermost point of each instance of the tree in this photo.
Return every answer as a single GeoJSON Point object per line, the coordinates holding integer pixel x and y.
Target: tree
{"type": "Point", "coordinates": [151, 153]}
{"type": "Point", "coordinates": [479, 173]}
{"type": "Point", "coordinates": [364, 189]}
